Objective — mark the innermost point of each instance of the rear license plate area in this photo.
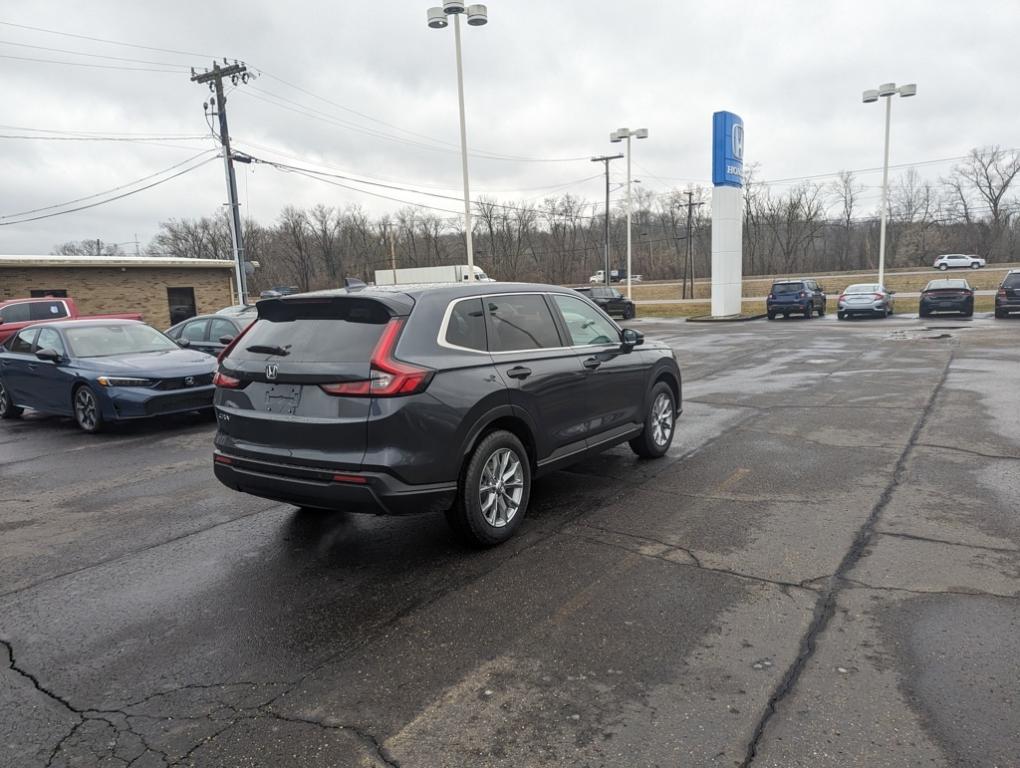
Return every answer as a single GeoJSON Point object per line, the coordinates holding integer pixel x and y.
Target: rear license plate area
{"type": "Point", "coordinates": [282, 398]}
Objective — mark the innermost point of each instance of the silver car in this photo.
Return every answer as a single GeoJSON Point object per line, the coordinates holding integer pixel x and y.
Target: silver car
{"type": "Point", "coordinates": [865, 299]}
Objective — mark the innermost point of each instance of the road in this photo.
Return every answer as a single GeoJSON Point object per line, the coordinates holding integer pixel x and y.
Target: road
{"type": "Point", "coordinates": [852, 277]}
{"type": "Point", "coordinates": [824, 571]}
{"type": "Point", "coordinates": [900, 296]}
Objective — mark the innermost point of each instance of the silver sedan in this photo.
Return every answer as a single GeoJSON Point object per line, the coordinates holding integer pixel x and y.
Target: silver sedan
{"type": "Point", "coordinates": [865, 299]}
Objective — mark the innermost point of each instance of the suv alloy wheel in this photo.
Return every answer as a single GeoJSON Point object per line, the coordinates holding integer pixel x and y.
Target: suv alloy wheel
{"type": "Point", "coordinates": [494, 490]}
{"type": "Point", "coordinates": [660, 424]}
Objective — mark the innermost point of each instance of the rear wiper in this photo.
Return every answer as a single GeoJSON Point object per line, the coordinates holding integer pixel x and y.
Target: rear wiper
{"type": "Point", "coordinates": [265, 349]}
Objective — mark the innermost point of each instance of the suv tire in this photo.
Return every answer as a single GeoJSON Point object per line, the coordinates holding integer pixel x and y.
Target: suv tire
{"type": "Point", "coordinates": [490, 505]}
{"type": "Point", "coordinates": [660, 424]}
{"type": "Point", "coordinates": [8, 410]}
{"type": "Point", "coordinates": [809, 311]}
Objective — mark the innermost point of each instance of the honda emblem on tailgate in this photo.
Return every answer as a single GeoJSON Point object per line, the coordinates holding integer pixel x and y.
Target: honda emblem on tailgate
{"type": "Point", "coordinates": [271, 370]}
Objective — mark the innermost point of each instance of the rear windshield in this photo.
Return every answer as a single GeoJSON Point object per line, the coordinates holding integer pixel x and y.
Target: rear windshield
{"type": "Point", "coordinates": [314, 330]}
{"type": "Point", "coordinates": [1011, 281]}
{"type": "Point", "coordinates": [108, 340]}
{"type": "Point", "coordinates": [862, 288]}
{"type": "Point", "coordinates": [936, 285]}
{"type": "Point", "coordinates": [787, 287]}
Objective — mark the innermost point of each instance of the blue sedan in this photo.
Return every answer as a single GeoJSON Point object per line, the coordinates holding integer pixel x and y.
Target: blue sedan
{"type": "Point", "coordinates": [99, 371]}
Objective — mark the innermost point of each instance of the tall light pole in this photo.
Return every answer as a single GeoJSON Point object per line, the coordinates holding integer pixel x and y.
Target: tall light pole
{"type": "Point", "coordinates": [886, 91]}
{"type": "Point", "coordinates": [617, 136]}
{"type": "Point", "coordinates": [477, 16]}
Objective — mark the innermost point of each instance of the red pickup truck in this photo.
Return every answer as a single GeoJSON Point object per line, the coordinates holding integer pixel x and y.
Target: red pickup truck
{"type": "Point", "coordinates": [17, 313]}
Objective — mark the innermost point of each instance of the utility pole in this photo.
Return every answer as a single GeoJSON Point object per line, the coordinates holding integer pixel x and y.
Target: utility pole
{"type": "Point", "coordinates": [393, 256]}
{"type": "Point", "coordinates": [688, 267]}
{"type": "Point", "coordinates": [236, 72]}
{"type": "Point", "coordinates": [606, 159]}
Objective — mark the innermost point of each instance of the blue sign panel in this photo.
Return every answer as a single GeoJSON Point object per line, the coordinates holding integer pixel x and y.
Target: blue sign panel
{"type": "Point", "coordinates": [727, 150]}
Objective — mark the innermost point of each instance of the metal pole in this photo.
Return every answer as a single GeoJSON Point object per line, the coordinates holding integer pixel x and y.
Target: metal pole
{"type": "Point", "coordinates": [463, 152]}
{"type": "Point", "coordinates": [885, 195]}
{"type": "Point", "coordinates": [606, 246]}
{"type": "Point", "coordinates": [689, 266]}
{"type": "Point", "coordinates": [628, 216]}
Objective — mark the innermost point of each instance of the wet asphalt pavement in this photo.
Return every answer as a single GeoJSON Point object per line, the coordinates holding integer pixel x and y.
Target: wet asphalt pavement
{"type": "Point", "coordinates": [825, 571]}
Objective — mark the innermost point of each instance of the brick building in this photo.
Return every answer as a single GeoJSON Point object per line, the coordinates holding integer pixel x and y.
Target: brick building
{"type": "Point", "coordinates": [165, 291]}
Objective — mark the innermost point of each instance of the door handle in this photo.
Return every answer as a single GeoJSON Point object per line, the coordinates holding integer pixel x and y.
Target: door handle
{"type": "Point", "coordinates": [519, 372]}
{"type": "Point", "coordinates": [592, 363]}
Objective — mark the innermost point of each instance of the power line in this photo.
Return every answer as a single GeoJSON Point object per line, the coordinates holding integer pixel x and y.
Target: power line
{"type": "Point", "coordinates": [4, 222]}
{"type": "Point", "coordinates": [105, 138]}
{"type": "Point", "coordinates": [106, 40]}
{"type": "Point", "coordinates": [93, 55]}
{"type": "Point", "coordinates": [90, 66]}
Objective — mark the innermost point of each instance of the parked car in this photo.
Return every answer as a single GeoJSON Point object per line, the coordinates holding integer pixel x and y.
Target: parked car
{"type": "Point", "coordinates": [99, 371]}
{"type": "Point", "coordinates": [865, 299]}
{"type": "Point", "coordinates": [210, 333]}
{"type": "Point", "coordinates": [804, 297]}
{"type": "Point", "coordinates": [611, 300]}
{"type": "Point", "coordinates": [615, 276]}
{"type": "Point", "coordinates": [947, 295]}
{"type": "Point", "coordinates": [435, 397]}
{"type": "Point", "coordinates": [237, 309]}
{"type": "Point", "coordinates": [16, 314]}
{"type": "Point", "coordinates": [1007, 298]}
{"type": "Point", "coordinates": [958, 261]}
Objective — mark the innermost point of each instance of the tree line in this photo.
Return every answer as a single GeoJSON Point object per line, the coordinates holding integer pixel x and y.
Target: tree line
{"type": "Point", "coordinates": [809, 226]}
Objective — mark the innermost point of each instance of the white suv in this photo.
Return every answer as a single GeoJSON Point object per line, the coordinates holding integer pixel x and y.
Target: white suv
{"type": "Point", "coordinates": [958, 260]}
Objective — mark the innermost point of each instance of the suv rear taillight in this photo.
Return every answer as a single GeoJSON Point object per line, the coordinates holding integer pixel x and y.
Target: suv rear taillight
{"type": "Point", "coordinates": [229, 348]}
{"type": "Point", "coordinates": [802, 295]}
{"type": "Point", "coordinates": [389, 377]}
{"type": "Point", "coordinates": [1002, 292]}
{"type": "Point", "coordinates": [772, 297]}
{"type": "Point", "coordinates": [223, 381]}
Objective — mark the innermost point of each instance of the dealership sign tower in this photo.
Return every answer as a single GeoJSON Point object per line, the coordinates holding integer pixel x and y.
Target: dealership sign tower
{"type": "Point", "coordinates": [727, 213]}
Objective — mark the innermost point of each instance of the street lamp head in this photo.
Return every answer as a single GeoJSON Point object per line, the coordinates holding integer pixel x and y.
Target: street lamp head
{"type": "Point", "coordinates": [453, 6]}
{"type": "Point", "coordinates": [641, 133]}
{"type": "Point", "coordinates": [437, 19]}
{"type": "Point", "coordinates": [477, 15]}
{"type": "Point", "coordinates": [908, 90]}
{"type": "Point", "coordinates": [615, 137]}
{"type": "Point", "coordinates": [887, 89]}
{"type": "Point", "coordinates": [870, 96]}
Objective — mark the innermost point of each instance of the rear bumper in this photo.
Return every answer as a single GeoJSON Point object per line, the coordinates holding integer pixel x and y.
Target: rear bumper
{"type": "Point", "coordinates": [961, 305]}
{"type": "Point", "coordinates": [1008, 304]}
{"type": "Point", "coordinates": [800, 306]}
{"type": "Point", "coordinates": [875, 308]}
{"type": "Point", "coordinates": [372, 492]}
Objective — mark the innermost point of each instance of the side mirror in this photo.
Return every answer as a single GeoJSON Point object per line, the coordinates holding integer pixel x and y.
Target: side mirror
{"type": "Point", "coordinates": [630, 338]}
{"type": "Point", "coordinates": [184, 343]}
{"type": "Point", "coordinates": [49, 355]}
{"type": "Point", "coordinates": [224, 340]}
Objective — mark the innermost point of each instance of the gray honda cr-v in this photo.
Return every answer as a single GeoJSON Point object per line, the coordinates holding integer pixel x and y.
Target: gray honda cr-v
{"type": "Point", "coordinates": [446, 397]}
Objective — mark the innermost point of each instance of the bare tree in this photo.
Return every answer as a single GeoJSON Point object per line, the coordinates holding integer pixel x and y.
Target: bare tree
{"type": "Point", "coordinates": [296, 247]}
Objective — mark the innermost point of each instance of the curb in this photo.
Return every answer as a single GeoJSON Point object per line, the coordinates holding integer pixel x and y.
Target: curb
{"type": "Point", "coordinates": [724, 318]}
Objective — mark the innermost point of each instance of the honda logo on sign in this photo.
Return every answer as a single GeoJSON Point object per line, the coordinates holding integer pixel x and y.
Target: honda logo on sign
{"type": "Point", "coordinates": [738, 141]}
{"type": "Point", "coordinates": [271, 370]}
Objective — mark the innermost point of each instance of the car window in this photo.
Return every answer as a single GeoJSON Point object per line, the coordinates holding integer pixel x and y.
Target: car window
{"type": "Point", "coordinates": [49, 339]}
{"type": "Point", "coordinates": [586, 324]}
{"type": "Point", "coordinates": [219, 328]}
{"type": "Point", "coordinates": [862, 288]}
{"type": "Point", "coordinates": [1011, 281]}
{"type": "Point", "coordinates": [520, 322]}
{"type": "Point", "coordinates": [46, 310]}
{"type": "Point", "coordinates": [107, 340]}
{"type": "Point", "coordinates": [194, 331]}
{"type": "Point", "coordinates": [787, 287]}
{"type": "Point", "coordinates": [466, 327]}
{"type": "Point", "coordinates": [15, 313]}
{"type": "Point", "coordinates": [22, 343]}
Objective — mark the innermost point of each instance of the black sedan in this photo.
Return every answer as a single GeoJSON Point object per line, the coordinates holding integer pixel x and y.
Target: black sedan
{"type": "Point", "coordinates": [98, 371]}
{"type": "Point", "coordinates": [210, 333]}
{"type": "Point", "coordinates": [610, 300]}
{"type": "Point", "coordinates": [947, 296]}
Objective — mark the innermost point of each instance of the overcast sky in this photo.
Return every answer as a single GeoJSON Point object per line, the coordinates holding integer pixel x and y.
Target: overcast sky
{"type": "Point", "coordinates": [544, 81]}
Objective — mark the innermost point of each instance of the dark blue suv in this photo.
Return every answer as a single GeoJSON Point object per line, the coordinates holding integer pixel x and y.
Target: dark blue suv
{"type": "Point", "coordinates": [407, 399]}
{"type": "Point", "coordinates": [801, 297]}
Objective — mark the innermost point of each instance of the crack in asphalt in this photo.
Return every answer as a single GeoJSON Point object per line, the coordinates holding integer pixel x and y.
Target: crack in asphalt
{"type": "Point", "coordinates": [970, 451]}
{"type": "Point", "coordinates": [959, 592]}
{"type": "Point", "coordinates": [366, 736]}
{"type": "Point", "coordinates": [825, 608]}
{"type": "Point", "coordinates": [915, 537]}
{"type": "Point", "coordinates": [697, 563]}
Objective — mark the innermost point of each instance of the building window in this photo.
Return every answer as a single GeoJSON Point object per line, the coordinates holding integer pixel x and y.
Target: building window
{"type": "Point", "coordinates": [182, 304]}
{"type": "Point", "coordinates": [57, 293]}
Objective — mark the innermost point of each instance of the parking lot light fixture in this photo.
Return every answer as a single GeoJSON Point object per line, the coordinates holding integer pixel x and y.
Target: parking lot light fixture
{"type": "Point", "coordinates": [477, 16]}
{"type": "Point", "coordinates": [617, 136]}
{"type": "Point", "coordinates": [886, 91]}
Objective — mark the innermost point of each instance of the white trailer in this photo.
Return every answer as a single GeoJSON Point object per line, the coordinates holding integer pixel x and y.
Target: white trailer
{"type": "Point", "coordinates": [455, 273]}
